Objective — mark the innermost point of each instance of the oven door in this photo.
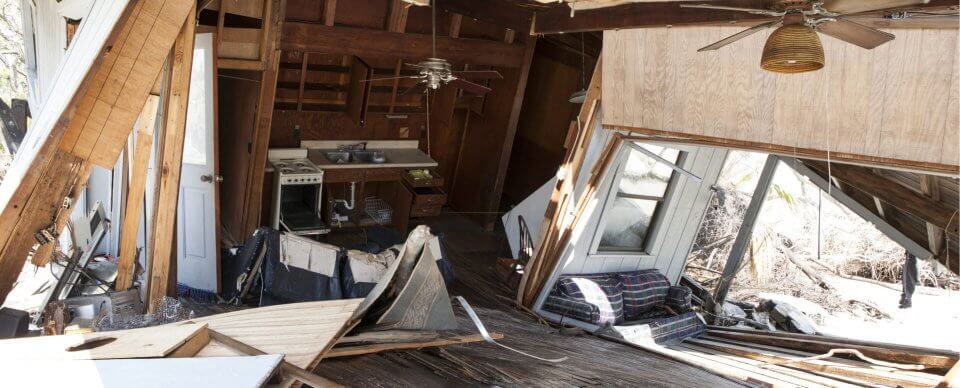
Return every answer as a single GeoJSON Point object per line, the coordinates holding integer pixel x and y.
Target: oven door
{"type": "Point", "coordinates": [299, 212]}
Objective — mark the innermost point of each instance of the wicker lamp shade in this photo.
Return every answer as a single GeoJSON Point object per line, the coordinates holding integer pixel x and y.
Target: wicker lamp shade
{"type": "Point", "coordinates": [793, 48]}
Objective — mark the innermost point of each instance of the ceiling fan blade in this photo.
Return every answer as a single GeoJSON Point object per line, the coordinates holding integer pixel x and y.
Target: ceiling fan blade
{"type": "Point", "coordinates": [740, 35]}
{"type": "Point", "coordinates": [755, 11]}
{"type": "Point", "coordinates": [854, 33]}
{"type": "Point", "coordinates": [855, 6]}
{"type": "Point", "coordinates": [391, 78]}
{"type": "Point", "coordinates": [469, 86]}
{"type": "Point", "coordinates": [478, 74]}
{"type": "Point", "coordinates": [416, 89]}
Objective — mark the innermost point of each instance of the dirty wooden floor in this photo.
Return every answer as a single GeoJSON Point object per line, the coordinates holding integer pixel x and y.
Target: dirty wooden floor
{"type": "Point", "coordinates": [592, 361]}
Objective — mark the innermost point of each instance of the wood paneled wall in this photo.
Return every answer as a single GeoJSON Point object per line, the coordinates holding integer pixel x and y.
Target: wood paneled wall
{"type": "Point", "coordinates": [896, 105]}
{"type": "Point", "coordinates": [544, 120]}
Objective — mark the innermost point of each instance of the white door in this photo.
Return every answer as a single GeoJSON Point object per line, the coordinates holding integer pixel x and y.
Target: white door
{"type": "Point", "coordinates": [197, 222]}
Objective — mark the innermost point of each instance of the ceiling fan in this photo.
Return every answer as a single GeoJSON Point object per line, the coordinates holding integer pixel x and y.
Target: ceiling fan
{"type": "Point", "coordinates": [794, 47]}
{"type": "Point", "coordinates": [436, 72]}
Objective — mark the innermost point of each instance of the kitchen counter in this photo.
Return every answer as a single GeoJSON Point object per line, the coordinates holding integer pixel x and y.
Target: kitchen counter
{"type": "Point", "coordinates": [396, 158]}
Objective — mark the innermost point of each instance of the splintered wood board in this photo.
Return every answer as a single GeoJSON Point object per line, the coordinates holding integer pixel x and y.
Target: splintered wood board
{"type": "Point", "coordinates": [299, 331]}
{"type": "Point", "coordinates": [226, 372]}
{"type": "Point", "coordinates": [157, 341]}
{"type": "Point", "coordinates": [895, 105]}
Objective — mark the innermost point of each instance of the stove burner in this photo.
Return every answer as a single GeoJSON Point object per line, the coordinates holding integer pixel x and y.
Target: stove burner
{"type": "Point", "coordinates": [286, 170]}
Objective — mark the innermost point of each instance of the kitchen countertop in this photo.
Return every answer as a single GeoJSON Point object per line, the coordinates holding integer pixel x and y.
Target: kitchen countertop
{"type": "Point", "coordinates": [396, 158]}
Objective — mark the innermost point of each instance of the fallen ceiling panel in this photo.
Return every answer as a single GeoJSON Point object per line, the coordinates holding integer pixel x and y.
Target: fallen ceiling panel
{"type": "Point", "coordinates": [896, 105]}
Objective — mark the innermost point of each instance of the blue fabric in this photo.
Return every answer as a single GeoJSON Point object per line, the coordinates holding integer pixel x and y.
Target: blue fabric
{"type": "Point", "coordinates": [643, 290]}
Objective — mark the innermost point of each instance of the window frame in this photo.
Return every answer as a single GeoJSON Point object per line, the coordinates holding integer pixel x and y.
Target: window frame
{"type": "Point", "coordinates": [653, 237]}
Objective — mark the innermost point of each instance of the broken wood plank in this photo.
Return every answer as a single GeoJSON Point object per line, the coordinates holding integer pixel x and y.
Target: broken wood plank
{"type": "Point", "coordinates": [295, 371]}
{"type": "Point", "coordinates": [377, 348]}
{"type": "Point", "coordinates": [389, 336]}
{"type": "Point", "coordinates": [104, 56]}
{"type": "Point", "coordinates": [952, 378]}
{"type": "Point", "coordinates": [170, 161]}
{"type": "Point", "coordinates": [157, 341]}
{"type": "Point", "coordinates": [135, 194]}
{"type": "Point", "coordinates": [821, 344]}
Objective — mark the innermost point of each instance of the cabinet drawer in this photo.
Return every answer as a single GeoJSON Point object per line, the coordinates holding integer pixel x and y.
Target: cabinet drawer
{"type": "Point", "coordinates": [429, 196]}
{"type": "Point", "coordinates": [342, 175]}
{"type": "Point", "coordinates": [425, 210]}
{"type": "Point", "coordinates": [383, 174]}
{"type": "Point", "coordinates": [435, 180]}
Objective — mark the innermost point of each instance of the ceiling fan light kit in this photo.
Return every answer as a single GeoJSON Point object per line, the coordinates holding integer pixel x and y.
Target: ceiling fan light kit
{"type": "Point", "coordinates": [793, 48]}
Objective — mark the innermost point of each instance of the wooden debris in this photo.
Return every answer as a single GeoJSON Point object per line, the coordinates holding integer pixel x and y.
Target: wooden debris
{"type": "Point", "coordinates": [377, 348]}
{"type": "Point", "coordinates": [105, 81]}
{"type": "Point", "coordinates": [300, 331]}
{"type": "Point", "coordinates": [293, 370]}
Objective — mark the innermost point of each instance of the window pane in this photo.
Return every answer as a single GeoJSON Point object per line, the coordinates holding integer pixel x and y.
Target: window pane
{"type": "Point", "coordinates": [645, 176]}
{"type": "Point", "coordinates": [626, 224]}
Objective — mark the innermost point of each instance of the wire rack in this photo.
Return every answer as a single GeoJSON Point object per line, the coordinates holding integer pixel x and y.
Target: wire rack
{"type": "Point", "coordinates": [378, 209]}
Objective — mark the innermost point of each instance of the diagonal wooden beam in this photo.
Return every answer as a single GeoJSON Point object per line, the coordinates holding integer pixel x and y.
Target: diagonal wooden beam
{"type": "Point", "coordinates": [366, 42]}
{"type": "Point", "coordinates": [135, 191]}
{"type": "Point", "coordinates": [174, 131]}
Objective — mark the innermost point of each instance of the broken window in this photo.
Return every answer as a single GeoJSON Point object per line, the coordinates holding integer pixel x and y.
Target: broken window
{"type": "Point", "coordinates": [640, 190]}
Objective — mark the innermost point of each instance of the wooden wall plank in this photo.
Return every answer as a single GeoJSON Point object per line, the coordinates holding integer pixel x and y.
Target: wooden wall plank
{"type": "Point", "coordinates": [889, 106]}
{"type": "Point", "coordinates": [135, 194]}
{"type": "Point", "coordinates": [171, 159]}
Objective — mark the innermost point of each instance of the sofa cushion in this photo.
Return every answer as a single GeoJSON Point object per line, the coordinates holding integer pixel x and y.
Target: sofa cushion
{"type": "Point", "coordinates": [602, 290]}
{"type": "Point", "coordinates": [680, 299]}
{"type": "Point", "coordinates": [674, 329]}
{"type": "Point", "coordinates": [643, 290]}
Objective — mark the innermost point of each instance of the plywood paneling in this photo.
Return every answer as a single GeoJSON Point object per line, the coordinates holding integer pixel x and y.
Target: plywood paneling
{"type": "Point", "coordinates": [895, 105]}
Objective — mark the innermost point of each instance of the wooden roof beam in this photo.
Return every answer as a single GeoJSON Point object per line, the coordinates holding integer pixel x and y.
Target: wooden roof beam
{"type": "Point", "coordinates": [366, 42]}
{"type": "Point", "coordinates": [500, 12]}
{"type": "Point", "coordinates": [892, 193]}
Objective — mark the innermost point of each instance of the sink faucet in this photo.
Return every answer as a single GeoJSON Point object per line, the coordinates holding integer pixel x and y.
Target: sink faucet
{"type": "Point", "coordinates": [353, 147]}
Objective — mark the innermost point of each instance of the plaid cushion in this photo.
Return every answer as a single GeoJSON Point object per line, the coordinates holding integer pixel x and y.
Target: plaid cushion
{"type": "Point", "coordinates": [680, 299]}
{"type": "Point", "coordinates": [672, 329]}
{"type": "Point", "coordinates": [572, 308]}
{"type": "Point", "coordinates": [601, 290]}
{"type": "Point", "coordinates": [642, 290]}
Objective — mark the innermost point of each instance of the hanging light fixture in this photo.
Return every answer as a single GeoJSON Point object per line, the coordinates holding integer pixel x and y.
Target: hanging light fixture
{"type": "Point", "coordinates": [793, 48]}
{"type": "Point", "coordinates": [579, 96]}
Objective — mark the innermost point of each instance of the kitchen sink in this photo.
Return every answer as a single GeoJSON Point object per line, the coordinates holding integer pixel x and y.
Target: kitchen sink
{"type": "Point", "coordinates": [358, 157]}
{"type": "Point", "coordinates": [339, 157]}
{"type": "Point", "coordinates": [369, 157]}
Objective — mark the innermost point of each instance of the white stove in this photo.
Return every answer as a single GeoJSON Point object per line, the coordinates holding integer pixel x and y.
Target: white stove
{"type": "Point", "coordinates": [299, 171]}
{"type": "Point", "coordinates": [297, 189]}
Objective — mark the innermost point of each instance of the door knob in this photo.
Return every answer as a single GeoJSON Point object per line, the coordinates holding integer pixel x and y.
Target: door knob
{"type": "Point", "coordinates": [209, 178]}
